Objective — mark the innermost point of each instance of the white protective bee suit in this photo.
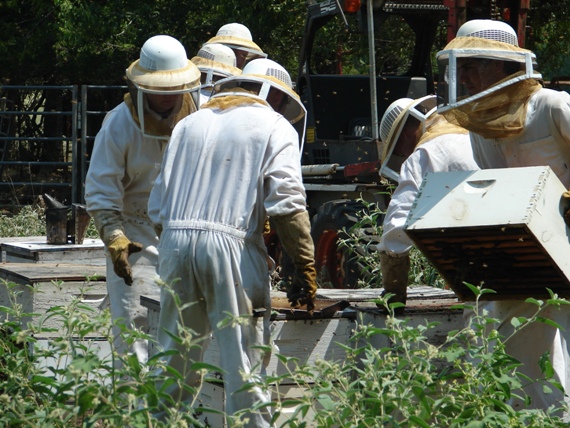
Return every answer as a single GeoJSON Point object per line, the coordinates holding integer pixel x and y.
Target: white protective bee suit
{"type": "Point", "coordinates": [545, 140]}
{"type": "Point", "coordinates": [411, 130]}
{"type": "Point", "coordinates": [224, 171]}
{"type": "Point", "coordinates": [448, 152]}
{"type": "Point", "coordinates": [124, 165]}
{"type": "Point", "coordinates": [125, 162]}
{"type": "Point", "coordinates": [513, 122]}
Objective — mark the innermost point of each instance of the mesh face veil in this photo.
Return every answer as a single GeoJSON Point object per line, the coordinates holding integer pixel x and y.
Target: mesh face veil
{"type": "Point", "coordinates": [482, 59]}
{"type": "Point", "coordinates": [261, 77]}
{"type": "Point", "coordinates": [162, 69]}
{"type": "Point", "coordinates": [215, 61]}
{"type": "Point", "coordinates": [237, 36]}
{"type": "Point", "coordinates": [400, 113]}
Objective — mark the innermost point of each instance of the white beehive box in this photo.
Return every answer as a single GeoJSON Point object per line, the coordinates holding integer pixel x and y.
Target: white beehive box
{"type": "Point", "coordinates": [90, 252]}
{"type": "Point", "coordinates": [502, 227]}
{"type": "Point", "coordinates": [40, 286]}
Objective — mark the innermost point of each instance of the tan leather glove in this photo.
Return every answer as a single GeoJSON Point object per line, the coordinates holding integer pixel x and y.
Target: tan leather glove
{"type": "Point", "coordinates": [266, 227]}
{"type": "Point", "coordinates": [109, 224]}
{"type": "Point", "coordinates": [120, 249]}
{"type": "Point", "coordinates": [294, 231]}
{"type": "Point", "coordinates": [395, 271]}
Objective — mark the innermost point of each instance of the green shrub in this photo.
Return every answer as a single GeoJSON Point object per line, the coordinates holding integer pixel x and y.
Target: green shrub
{"type": "Point", "coordinates": [30, 220]}
{"type": "Point", "coordinates": [466, 382]}
{"type": "Point", "coordinates": [360, 244]}
{"type": "Point", "coordinates": [407, 382]}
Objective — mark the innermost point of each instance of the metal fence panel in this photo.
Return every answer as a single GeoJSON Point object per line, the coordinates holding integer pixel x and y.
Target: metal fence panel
{"type": "Point", "coordinates": [46, 138]}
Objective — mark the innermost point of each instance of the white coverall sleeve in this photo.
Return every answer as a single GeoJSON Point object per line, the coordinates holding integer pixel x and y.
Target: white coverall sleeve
{"type": "Point", "coordinates": [104, 186]}
{"type": "Point", "coordinates": [283, 181]}
{"type": "Point", "coordinates": [394, 239]}
{"type": "Point", "coordinates": [154, 201]}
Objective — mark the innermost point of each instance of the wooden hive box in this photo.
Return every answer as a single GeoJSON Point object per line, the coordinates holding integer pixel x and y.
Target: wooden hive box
{"type": "Point", "coordinates": [41, 286]}
{"type": "Point", "coordinates": [90, 252]}
{"type": "Point", "coordinates": [500, 227]}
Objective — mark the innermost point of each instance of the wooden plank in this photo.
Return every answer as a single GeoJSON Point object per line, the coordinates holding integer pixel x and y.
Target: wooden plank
{"type": "Point", "coordinates": [41, 272]}
{"type": "Point", "coordinates": [40, 287]}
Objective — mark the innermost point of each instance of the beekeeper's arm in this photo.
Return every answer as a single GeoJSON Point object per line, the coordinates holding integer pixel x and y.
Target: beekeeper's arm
{"type": "Point", "coordinates": [395, 245]}
{"type": "Point", "coordinates": [294, 231]}
{"type": "Point", "coordinates": [285, 203]}
{"type": "Point", "coordinates": [104, 197]}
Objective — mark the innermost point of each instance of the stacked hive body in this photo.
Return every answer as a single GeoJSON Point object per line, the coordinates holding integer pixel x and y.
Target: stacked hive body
{"type": "Point", "coordinates": [503, 228]}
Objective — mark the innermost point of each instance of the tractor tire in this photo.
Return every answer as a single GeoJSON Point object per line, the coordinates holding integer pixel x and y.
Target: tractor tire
{"type": "Point", "coordinates": [338, 267]}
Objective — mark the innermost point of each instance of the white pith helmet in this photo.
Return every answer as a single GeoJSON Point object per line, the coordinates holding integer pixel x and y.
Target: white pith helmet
{"type": "Point", "coordinates": [264, 74]}
{"type": "Point", "coordinates": [163, 64]}
{"type": "Point", "coordinates": [489, 29]}
{"type": "Point", "coordinates": [268, 74]}
{"type": "Point", "coordinates": [483, 40]}
{"type": "Point", "coordinates": [391, 114]}
{"type": "Point", "coordinates": [238, 36]}
{"type": "Point", "coordinates": [162, 69]}
{"type": "Point", "coordinates": [235, 29]}
{"type": "Point", "coordinates": [215, 59]}
{"type": "Point", "coordinates": [393, 122]}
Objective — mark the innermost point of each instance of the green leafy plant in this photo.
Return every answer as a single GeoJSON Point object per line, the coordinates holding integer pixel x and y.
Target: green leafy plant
{"type": "Point", "coordinates": [54, 372]}
{"type": "Point", "coordinates": [30, 220]}
{"type": "Point", "coordinates": [360, 243]}
{"type": "Point", "coordinates": [392, 375]}
{"type": "Point", "coordinates": [403, 380]}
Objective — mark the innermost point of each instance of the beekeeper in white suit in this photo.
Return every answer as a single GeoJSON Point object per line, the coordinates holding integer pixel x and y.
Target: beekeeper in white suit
{"type": "Point", "coordinates": [238, 37]}
{"type": "Point", "coordinates": [488, 85]}
{"type": "Point", "coordinates": [126, 159]}
{"type": "Point", "coordinates": [215, 61]}
{"type": "Point", "coordinates": [416, 141]}
{"type": "Point", "coordinates": [226, 168]}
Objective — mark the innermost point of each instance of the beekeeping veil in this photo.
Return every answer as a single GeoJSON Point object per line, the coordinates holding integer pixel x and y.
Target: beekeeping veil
{"type": "Point", "coordinates": [260, 76]}
{"type": "Point", "coordinates": [393, 122]}
{"type": "Point", "coordinates": [164, 69]}
{"type": "Point", "coordinates": [215, 61]}
{"type": "Point", "coordinates": [495, 107]}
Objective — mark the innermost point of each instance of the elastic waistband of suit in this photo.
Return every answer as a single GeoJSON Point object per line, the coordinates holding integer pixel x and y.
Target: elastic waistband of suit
{"type": "Point", "coordinates": [209, 226]}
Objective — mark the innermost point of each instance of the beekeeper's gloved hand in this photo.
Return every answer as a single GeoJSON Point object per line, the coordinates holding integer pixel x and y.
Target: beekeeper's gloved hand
{"type": "Point", "coordinates": [395, 269]}
{"type": "Point", "coordinates": [294, 231]}
{"type": "Point", "coordinates": [109, 224]}
{"type": "Point", "coordinates": [120, 249]}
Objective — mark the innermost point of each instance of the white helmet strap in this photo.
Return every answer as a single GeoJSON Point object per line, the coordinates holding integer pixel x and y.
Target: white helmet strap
{"type": "Point", "coordinates": [264, 91]}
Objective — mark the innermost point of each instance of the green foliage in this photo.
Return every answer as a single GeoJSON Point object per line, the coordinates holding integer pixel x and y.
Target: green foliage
{"type": "Point", "coordinates": [59, 42]}
{"type": "Point", "coordinates": [29, 220]}
{"type": "Point", "coordinates": [392, 375]}
{"type": "Point", "coordinates": [360, 244]}
{"type": "Point", "coordinates": [547, 36]}
{"type": "Point", "coordinates": [66, 380]}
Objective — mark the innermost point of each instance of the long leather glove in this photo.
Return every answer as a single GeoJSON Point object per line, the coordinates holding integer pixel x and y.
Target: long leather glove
{"type": "Point", "coordinates": [294, 231]}
{"type": "Point", "coordinates": [109, 224]}
{"type": "Point", "coordinates": [395, 271]}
